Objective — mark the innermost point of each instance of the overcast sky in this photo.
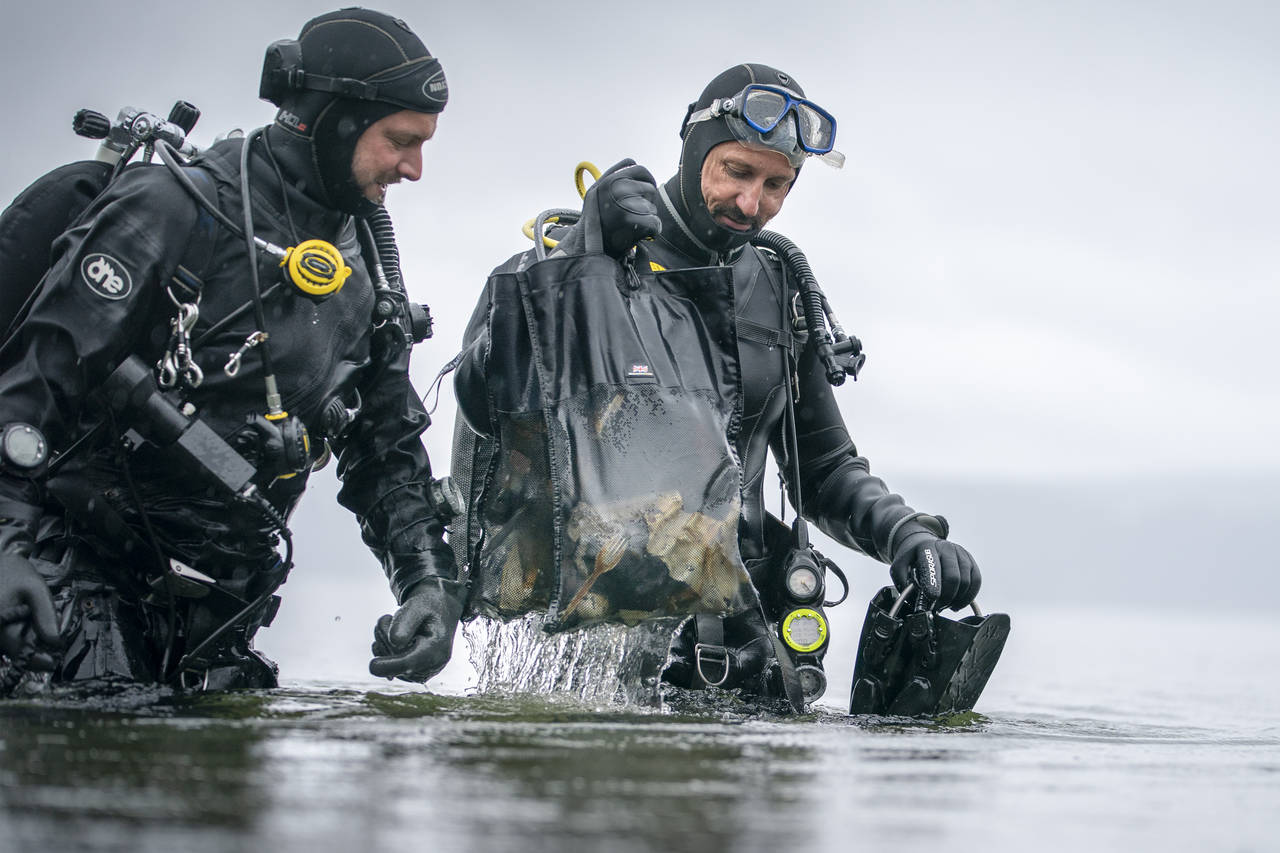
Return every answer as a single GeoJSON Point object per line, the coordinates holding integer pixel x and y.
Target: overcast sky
{"type": "Point", "coordinates": [1056, 234]}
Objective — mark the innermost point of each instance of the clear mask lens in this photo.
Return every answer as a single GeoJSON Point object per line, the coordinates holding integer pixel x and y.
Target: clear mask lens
{"type": "Point", "coordinates": [758, 116]}
{"type": "Point", "coordinates": [764, 109]}
{"type": "Point", "coordinates": [815, 129]}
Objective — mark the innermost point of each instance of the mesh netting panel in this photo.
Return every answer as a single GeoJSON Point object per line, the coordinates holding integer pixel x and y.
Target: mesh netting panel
{"type": "Point", "coordinates": [612, 490]}
{"type": "Point", "coordinates": [649, 506]}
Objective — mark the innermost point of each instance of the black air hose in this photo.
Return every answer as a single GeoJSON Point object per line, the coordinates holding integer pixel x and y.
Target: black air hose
{"type": "Point", "coordinates": [384, 240]}
{"type": "Point", "coordinates": [811, 295]}
{"type": "Point", "coordinates": [379, 240]}
{"type": "Point", "coordinates": [268, 511]}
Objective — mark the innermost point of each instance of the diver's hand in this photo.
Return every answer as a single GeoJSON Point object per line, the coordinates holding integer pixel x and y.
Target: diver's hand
{"type": "Point", "coordinates": [26, 608]}
{"type": "Point", "coordinates": [28, 623]}
{"type": "Point", "coordinates": [619, 210]}
{"type": "Point", "coordinates": [944, 572]}
{"type": "Point", "coordinates": [415, 643]}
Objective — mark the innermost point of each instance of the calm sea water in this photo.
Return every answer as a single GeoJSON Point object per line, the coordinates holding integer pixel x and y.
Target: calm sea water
{"type": "Point", "coordinates": [1099, 730]}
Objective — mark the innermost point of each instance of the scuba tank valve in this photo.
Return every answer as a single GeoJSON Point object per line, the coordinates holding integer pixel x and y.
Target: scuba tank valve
{"type": "Point", "coordinates": [134, 129]}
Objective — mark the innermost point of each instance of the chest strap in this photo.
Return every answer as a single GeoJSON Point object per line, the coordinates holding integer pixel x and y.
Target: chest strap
{"type": "Point", "coordinates": [767, 335]}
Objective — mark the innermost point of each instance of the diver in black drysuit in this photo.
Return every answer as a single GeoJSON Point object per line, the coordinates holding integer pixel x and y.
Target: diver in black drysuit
{"type": "Point", "coordinates": [347, 383]}
{"type": "Point", "coordinates": [839, 493]}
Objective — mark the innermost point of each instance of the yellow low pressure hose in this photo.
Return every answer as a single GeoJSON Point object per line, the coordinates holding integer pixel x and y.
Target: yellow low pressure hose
{"type": "Point", "coordinates": [585, 167]}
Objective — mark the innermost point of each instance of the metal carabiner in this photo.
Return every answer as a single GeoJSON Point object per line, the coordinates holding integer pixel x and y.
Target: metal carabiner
{"type": "Point", "coordinates": [176, 363]}
{"type": "Point", "coordinates": [167, 371]}
{"type": "Point", "coordinates": [192, 375]}
{"type": "Point", "coordinates": [232, 366]}
{"type": "Point", "coordinates": [188, 314]}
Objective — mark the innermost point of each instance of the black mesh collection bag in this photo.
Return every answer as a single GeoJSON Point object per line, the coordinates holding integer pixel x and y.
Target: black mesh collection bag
{"type": "Point", "coordinates": [609, 491]}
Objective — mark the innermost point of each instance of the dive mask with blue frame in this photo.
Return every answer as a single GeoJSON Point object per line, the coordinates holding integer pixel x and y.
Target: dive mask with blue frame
{"type": "Point", "coordinates": [756, 116]}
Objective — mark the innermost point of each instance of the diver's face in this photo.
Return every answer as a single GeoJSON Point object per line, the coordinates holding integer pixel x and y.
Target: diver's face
{"type": "Point", "coordinates": [743, 188]}
{"type": "Point", "coordinates": [390, 150]}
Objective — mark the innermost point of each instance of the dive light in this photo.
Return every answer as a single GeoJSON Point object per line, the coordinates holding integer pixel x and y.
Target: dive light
{"type": "Point", "coordinates": [131, 392]}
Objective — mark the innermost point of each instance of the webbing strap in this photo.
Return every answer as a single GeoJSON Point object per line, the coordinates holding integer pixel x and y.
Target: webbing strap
{"type": "Point", "coordinates": [187, 282]}
{"type": "Point", "coordinates": [710, 650]}
{"type": "Point", "coordinates": [762, 334]}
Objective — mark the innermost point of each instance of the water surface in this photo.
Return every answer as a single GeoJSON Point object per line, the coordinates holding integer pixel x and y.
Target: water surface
{"type": "Point", "coordinates": [1097, 732]}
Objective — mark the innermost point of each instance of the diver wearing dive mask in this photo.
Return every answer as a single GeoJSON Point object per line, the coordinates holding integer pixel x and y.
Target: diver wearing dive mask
{"type": "Point", "coordinates": [743, 142]}
{"type": "Point", "coordinates": [762, 108]}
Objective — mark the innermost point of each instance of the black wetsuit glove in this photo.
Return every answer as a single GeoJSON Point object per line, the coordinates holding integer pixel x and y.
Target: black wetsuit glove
{"type": "Point", "coordinates": [619, 210]}
{"type": "Point", "coordinates": [416, 643]}
{"type": "Point", "coordinates": [26, 609]}
{"type": "Point", "coordinates": [943, 571]}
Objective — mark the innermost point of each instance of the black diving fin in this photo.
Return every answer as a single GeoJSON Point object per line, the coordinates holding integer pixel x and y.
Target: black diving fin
{"type": "Point", "coordinates": [923, 663]}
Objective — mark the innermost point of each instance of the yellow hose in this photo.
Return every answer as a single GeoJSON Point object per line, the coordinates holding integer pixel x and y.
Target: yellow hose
{"type": "Point", "coordinates": [586, 166]}
{"type": "Point", "coordinates": [527, 229]}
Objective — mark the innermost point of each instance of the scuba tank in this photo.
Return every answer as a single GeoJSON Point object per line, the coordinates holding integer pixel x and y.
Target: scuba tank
{"type": "Point", "coordinates": [54, 201]}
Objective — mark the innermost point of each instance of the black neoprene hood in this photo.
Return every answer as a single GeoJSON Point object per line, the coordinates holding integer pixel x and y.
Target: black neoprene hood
{"type": "Point", "coordinates": [698, 140]}
{"type": "Point", "coordinates": [346, 70]}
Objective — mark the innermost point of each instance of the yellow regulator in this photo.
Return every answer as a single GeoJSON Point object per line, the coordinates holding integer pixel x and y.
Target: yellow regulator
{"type": "Point", "coordinates": [316, 267]}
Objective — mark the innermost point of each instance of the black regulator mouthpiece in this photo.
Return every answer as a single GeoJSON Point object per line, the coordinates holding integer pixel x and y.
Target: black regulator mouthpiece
{"type": "Point", "coordinates": [840, 354]}
{"type": "Point", "coordinates": [410, 322]}
{"type": "Point", "coordinates": [413, 319]}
